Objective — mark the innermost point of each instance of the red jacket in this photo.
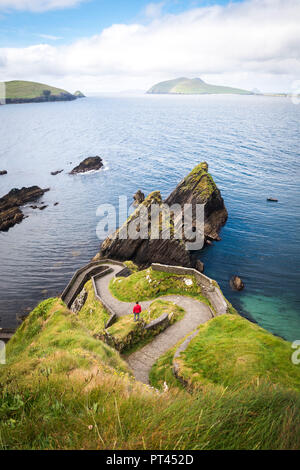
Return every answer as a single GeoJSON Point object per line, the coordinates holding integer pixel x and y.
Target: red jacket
{"type": "Point", "coordinates": [137, 309]}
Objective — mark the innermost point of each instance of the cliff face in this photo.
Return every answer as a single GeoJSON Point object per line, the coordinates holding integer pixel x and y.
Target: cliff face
{"type": "Point", "coordinates": [197, 188]}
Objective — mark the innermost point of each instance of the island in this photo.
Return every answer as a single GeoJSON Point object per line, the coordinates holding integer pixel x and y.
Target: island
{"type": "Point", "coordinates": [20, 91]}
{"type": "Point", "coordinates": [193, 86]}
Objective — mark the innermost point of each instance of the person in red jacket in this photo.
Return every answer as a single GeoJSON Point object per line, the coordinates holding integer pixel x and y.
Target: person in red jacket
{"type": "Point", "coordinates": [137, 310]}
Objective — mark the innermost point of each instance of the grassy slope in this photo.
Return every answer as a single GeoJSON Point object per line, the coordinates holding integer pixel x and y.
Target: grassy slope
{"type": "Point", "coordinates": [230, 351]}
{"type": "Point", "coordinates": [18, 89]}
{"type": "Point", "coordinates": [62, 389]}
{"type": "Point", "coordinates": [193, 86]}
{"type": "Point", "coordinates": [149, 284]}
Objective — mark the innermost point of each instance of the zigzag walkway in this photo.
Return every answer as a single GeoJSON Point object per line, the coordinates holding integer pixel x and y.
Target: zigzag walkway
{"type": "Point", "coordinates": [142, 360]}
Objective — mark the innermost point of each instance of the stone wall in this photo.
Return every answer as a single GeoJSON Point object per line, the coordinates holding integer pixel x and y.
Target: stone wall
{"type": "Point", "coordinates": [210, 290]}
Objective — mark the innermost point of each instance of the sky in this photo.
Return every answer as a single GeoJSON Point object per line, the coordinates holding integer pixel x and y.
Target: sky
{"type": "Point", "coordinates": [118, 45]}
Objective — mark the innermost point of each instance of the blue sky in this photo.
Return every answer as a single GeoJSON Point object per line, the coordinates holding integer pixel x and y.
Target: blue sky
{"type": "Point", "coordinates": [24, 28]}
{"type": "Point", "coordinates": [115, 45]}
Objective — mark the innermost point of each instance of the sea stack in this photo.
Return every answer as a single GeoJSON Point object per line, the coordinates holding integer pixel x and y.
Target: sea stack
{"type": "Point", "coordinates": [196, 188]}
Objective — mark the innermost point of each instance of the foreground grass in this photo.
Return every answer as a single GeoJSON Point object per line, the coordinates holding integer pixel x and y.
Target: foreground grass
{"type": "Point", "coordinates": [63, 389]}
{"type": "Point", "coordinates": [149, 284]}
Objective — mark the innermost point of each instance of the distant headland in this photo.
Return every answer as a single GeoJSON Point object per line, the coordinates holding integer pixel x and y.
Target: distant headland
{"type": "Point", "coordinates": [20, 91]}
{"type": "Point", "coordinates": [194, 86]}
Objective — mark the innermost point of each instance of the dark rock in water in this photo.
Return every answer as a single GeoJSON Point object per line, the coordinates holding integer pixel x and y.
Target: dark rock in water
{"type": "Point", "coordinates": [197, 188]}
{"type": "Point", "coordinates": [199, 266]}
{"type": "Point", "coordinates": [3, 172]}
{"type": "Point", "coordinates": [43, 207]}
{"type": "Point", "coordinates": [10, 213]}
{"type": "Point", "coordinates": [56, 203]}
{"type": "Point", "coordinates": [236, 283]}
{"type": "Point", "coordinates": [54, 173]}
{"type": "Point", "coordinates": [139, 197]}
{"type": "Point", "coordinates": [90, 163]}
{"type": "Point", "coordinates": [34, 207]}
{"type": "Point", "coordinates": [271, 199]}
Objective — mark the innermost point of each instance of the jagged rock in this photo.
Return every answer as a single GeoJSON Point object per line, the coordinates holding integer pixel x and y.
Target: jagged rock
{"type": "Point", "coordinates": [236, 283]}
{"type": "Point", "coordinates": [197, 188]}
{"type": "Point", "coordinates": [3, 172]}
{"type": "Point", "coordinates": [139, 197]}
{"type": "Point", "coordinates": [43, 207]}
{"type": "Point", "coordinates": [56, 203]}
{"type": "Point", "coordinates": [10, 213]}
{"type": "Point", "coordinates": [54, 173]}
{"type": "Point", "coordinates": [90, 163]}
{"type": "Point", "coordinates": [79, 301]}
{"type": "Point", "coordinates": [199, 266]}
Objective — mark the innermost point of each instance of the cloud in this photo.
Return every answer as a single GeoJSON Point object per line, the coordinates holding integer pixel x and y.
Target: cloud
{"type": "Point", "coordinates": [50, 37]}
{"type": "Point", "coordinates": [154, 10]}
{"type": "Point", "coordinates": [38, 5]}
{"type": "Point", "coordinates": [249, 44]}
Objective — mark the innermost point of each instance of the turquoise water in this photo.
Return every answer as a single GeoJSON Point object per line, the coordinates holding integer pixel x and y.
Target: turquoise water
{"type": "Point", "coordinates": [151, 142]}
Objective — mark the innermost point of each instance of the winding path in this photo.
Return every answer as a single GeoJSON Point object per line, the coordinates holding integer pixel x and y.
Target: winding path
{"type": "Point", "coordinates": [142, 360]}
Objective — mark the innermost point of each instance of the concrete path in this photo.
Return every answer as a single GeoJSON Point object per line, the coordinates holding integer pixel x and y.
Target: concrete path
{"type": "Point", "coordinates": [142, 360]}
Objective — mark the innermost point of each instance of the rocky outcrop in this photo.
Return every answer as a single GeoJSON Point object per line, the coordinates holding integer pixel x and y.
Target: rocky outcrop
{"type": "Point", "coordinates": [90, 163]}
{"type": "Point", "coordinates": [3, 172]}
{"type": "Point", "coordinates": [79, 301]}
{"type": "Point", "coordinates": [139, 197]}
{"type": "Point", "coordinates": [197, 188]}
{"type": "Point", "coordinates": [236, 283]}
{"type": "Point", "coordinates": [54, 173]}
{"type": "Point", "coordinates": [10, 213]}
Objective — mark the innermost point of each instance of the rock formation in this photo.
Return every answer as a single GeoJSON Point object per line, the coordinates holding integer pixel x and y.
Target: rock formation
{"type": "Point", "coordinates": [3, 172]}
{"type": "Point", "coordinates": [54, 173]}
{"type": "Point", "coordinates": [139, 197]}
{"type": "Point", "coordinates": [10, 213]}
{"type": "Point", "coordinates": [90, 163]}
{"type": "Point", "coordinates": [236, 283]}
{"type": "Point", "coordinates": [197, 188]}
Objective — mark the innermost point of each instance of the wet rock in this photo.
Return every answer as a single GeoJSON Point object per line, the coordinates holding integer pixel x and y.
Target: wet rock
{"type": "Point", "coordinates": [90, 163]}
{"type": "Point", "coordinates": [10, 213]}
{"type": "Point", "coordinates": [3, 172]}
{"type": "Point", "coordinates": [54, 173]}
{"type": "Point", "coordinates": [236, 283]}
{"type": "Point", "coordinates": [199, 266]}
{"type": "Point", "coordinates": [56, 203]}
{"type": "Point", "coordinates": [43, 207]}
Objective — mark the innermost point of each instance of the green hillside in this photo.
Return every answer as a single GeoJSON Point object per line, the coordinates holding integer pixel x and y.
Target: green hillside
{"type": "Point", "coordinates": [64, 388]}
{"type": "Point", "coordinates": [195, 86]}
{"type": "Point", "coordinates": [19, 91]}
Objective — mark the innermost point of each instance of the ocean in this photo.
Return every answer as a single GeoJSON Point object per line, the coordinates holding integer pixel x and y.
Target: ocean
{"type": "Point", "coordinates": [151, 142]}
